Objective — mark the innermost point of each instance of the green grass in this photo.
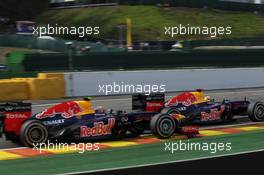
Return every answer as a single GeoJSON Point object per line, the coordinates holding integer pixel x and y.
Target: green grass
{"type": "Point", "coordinates": [148, 22]}
{"type": "Point", "coordinates": [127, 156]}
{"type": "Point", "coordinates": [6, 50]}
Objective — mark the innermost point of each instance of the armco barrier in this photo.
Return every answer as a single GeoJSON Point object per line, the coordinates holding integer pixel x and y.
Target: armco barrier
{"type": "Point", "coordinates": [31, 42]}
{"type": "Point", "coordinates": [58, 45]}
{"type": "Point", "coordinates": [58, 85]}
{"type": "Point", "coordinates": [225, 42]}
{"type": "Point", "coordinates": [50, 85]}
{"type": "Point", "coordinates": [87, 83]}
{"type": "Point", "coordinates": [135, 60]}
{"type": "Point", "coordinates": [45, 86]}
{"type": "Point", "coordinates": [11, 90]}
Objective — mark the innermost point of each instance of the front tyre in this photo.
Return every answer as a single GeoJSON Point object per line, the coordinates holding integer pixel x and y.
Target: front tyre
{"type": "Point", "coordinates": [33, 132]}
{"type": "Point", "coordinates": [256, 111]}
{"type": "Point", "coordinates": [162, 126]}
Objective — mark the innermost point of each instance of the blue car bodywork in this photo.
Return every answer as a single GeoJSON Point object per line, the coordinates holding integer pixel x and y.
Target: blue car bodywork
{"type": "Point", "coordinates": [75, 120]}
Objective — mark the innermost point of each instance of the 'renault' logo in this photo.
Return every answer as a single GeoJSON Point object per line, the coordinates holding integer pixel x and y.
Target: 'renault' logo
{"type": "Point", "coordinates": [98, 129]}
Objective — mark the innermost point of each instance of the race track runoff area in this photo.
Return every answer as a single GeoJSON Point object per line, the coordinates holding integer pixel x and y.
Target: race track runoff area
{"type": "Point", "coordinates": [129, 152]}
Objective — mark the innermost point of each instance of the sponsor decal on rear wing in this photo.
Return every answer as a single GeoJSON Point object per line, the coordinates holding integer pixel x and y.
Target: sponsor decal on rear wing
{"type": "Point", "coordinates": [15, 107]}
{"type": "Point", "coordinates": [12, 115]}
{"type": "Point", "coordinates": [151, 102]}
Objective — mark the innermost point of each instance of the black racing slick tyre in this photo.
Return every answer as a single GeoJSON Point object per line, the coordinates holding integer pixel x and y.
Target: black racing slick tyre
{"type": "Point", "coordinates": [256, 111]}
{"type": "Point", "coordinates": [33, 132]}
{"type": "Point", "coordinates": [162, 126]}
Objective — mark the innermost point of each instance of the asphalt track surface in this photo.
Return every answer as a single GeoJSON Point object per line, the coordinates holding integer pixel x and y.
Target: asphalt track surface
{"type": "Point", "coordinates": [123, 102]}
{"type": "Point", "coordinates": [237, 161]}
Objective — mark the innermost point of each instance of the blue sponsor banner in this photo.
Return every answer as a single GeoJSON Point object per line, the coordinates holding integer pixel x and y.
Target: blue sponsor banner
{"type": "Point", "coordinates": [25, 27]}
{"type": "Point", "coordinates": [2, 67]}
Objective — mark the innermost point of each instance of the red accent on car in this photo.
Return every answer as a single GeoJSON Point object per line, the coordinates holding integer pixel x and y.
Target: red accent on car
{"type": "Point", "coordinates": [14, 121]}
{"type": "Point", "coordinates": [66, 109]}
{"type": "Point", "coordinates": [154, 106]}
{"type": "Point", "coordinates": [98, 129]}
{"type": "Point", "coordinates": [186, 99]}
{"type": "Point", "coordinates": [213, 115]}
{"type": "Point", "coordinates": [190, 130]}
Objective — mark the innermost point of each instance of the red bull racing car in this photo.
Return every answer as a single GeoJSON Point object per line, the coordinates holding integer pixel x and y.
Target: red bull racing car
{"type": "Point", "coordinates": [78, 120]}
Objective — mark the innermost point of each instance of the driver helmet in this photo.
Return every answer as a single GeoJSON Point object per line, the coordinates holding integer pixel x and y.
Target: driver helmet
{"type": "Point", "coordinates": [100, 110]}
{"type": "Point", "coordinates": [207, 98]}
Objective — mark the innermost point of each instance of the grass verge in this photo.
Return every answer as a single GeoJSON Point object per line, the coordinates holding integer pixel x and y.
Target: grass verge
{"type": "Point", "coordinates": [148, 21]}
{"type": "Point", "coordinates": [127, 156]}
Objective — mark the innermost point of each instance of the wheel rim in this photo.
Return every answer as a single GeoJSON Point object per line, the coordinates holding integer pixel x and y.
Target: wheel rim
{"type": "Point", "coordinates": [259, 112]}
{"type": "Point", "coordinates": [36, 134]}
{"type": "Point", "coordinates": [166, 127]}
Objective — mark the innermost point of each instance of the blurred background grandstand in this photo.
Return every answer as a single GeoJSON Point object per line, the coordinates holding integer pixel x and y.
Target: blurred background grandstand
{"type": "Point", "coordinates": [21, 53]}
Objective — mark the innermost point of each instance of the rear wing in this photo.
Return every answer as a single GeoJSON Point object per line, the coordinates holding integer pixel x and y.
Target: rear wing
{"type": "Point", "coordinates": [151, 103]}
{"type": "Point", "coordinates": [14, 107]}
{"type": "Point", "coordinates": [12, 116]}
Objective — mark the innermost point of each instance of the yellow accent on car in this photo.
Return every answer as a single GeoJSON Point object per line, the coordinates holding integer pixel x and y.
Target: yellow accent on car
{"type": "Point", "coordinates": [178, 116]}
{"type": "Point", "coordinates": [200, 97]}
{"type": "Point", "coordinates": [86, 107]}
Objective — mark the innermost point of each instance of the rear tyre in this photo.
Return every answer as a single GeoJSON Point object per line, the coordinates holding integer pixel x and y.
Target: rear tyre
{"type": "Point", "coordinates": [33, 132]}
{"type": "Point", "coordinates": [172, 112]}
{"type": "Point", "coordinates": [162, 126]}
{"type": "Point", "coordinates": [256, 111]}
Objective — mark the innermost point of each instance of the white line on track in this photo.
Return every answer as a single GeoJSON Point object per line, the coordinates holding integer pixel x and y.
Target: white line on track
{"type": "Point", "coordinates": [162, 163]}
{"type": "Point", "coordinates": [7, 149]}
{"type": "Point", "coordinates": [231, 125]}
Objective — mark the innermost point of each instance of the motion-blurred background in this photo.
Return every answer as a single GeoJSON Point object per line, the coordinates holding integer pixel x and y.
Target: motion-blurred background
{"type": "Point", "coordinates": [131, 35]}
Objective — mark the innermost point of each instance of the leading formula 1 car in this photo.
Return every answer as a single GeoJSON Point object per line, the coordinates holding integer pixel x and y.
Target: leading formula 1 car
{"type": "Point", "coordinates": [74, 120]}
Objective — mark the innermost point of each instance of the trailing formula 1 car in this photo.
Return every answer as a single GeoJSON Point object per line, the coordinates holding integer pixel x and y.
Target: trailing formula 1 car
{"type": "Point", "coordinates": [75, 120]}
{"type": "Point", "coordinates": [184, 112]}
